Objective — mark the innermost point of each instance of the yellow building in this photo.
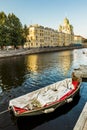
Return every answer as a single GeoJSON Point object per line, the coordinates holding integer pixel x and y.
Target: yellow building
{"type": "Point", "coordinates": [47, 37]}
{"type": "Point", "coordinates": [40, 36]}
{"type": "Point", "coordinates": [61, 37]}
{"type": "Point", "coordinates": [78, 39]}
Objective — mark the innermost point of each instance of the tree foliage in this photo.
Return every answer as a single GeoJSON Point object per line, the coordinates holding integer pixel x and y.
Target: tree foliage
{"type": "Point", "coordinates": [11, 30]}
{"type": "Point", "coordinates": [3, 18]}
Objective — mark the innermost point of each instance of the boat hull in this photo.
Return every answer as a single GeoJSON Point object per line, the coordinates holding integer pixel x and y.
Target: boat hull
{"type": "Point", "coordinates": [50, 108]}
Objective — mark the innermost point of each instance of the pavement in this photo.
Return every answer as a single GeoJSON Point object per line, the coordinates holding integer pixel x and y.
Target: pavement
{"type": "Point", "coordinates": [18, 52]}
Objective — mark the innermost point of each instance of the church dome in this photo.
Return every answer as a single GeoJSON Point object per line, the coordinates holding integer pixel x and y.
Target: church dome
{"type": "Point", "coordinates": [66, 21]}
{"type": "Point", "coordinates": [66, 27]}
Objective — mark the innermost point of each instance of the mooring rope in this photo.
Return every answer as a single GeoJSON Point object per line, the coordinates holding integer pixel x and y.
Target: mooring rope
{"type": "Point", "coordinates": [4, 111]}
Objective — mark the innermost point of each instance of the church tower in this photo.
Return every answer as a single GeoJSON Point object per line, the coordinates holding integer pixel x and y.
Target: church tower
{"type": "Point", "coordinates": [66, 27]}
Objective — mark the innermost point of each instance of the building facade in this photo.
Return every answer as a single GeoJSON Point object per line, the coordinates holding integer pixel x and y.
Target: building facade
{"type": "Point", "coordinates": [78, 40]}
{"type": "Point", "coordinates": [40, 36]}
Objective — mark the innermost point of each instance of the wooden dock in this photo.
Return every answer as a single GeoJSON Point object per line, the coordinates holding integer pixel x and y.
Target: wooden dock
{"type": "Point", "coordinates": [82, 121]}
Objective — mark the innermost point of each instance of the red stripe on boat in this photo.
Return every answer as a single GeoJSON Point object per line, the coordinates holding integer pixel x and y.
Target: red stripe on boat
{"type": "Point", "coordinates": [19, 110]}
{"type": "Point", "coordinates": [75, 84]}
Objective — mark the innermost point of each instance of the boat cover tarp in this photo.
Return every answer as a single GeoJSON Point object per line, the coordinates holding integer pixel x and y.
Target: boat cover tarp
{"type": "Point", "coordinates": [45, 96]}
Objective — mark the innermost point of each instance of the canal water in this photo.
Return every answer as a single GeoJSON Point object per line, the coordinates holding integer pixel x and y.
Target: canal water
{"type": "Point", "coordinates": [23, 74]}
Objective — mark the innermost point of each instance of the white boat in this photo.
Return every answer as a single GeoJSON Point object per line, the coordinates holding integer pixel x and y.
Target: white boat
{"type": "Point", "coordinates": [45, 100]}
{"type": "Point", "coordinates": [85, 52]}
{"type": "Point", "coordinates": [81, 71]}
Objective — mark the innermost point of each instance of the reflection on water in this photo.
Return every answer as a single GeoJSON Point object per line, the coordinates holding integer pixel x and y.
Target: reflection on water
{"type": "Point", "coordinates": [65, 62]}
{"type": "Point", "coordinates": [50, 62]}
{"type": "Point", "coordinates": [12, 71]}
{"type": "Point", "coordinates": [36, 63]}
{"type": "Point", "coordinates": [43, 69]}
{"type": "Point", "coordinates": [32, 63]}
{"type": "Point", "coordinates": [20, 75]}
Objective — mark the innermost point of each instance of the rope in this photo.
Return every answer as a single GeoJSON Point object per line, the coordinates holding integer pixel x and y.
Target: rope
{"type": "Point", "coordinates": [4, 111]}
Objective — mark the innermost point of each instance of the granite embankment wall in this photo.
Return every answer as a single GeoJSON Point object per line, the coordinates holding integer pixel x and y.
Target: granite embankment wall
{"type": "Point", "coordinates": [20, 52]}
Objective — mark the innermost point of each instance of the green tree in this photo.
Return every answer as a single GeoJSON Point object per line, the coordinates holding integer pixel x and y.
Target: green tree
{"type": "Point", "coordinates": [15, 30]}
{"type": "Point", "coordinates": [11, 30]}
{"type": "Point", "coordinates": [25, 32]}
{"type": "Point", "coordinates": [3, 18]}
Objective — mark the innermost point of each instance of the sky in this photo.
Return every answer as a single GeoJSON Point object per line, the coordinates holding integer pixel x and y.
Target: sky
{"type": "Point", "coordinates": [49, 13]}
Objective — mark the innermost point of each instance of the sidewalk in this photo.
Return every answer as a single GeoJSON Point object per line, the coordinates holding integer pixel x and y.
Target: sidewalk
{"type": "Point", "coordinates": [82, 121]}
{"type": "Point", "coordinates": [19, 52]}
{"type": "Point", "coordinates": [9, 53]}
